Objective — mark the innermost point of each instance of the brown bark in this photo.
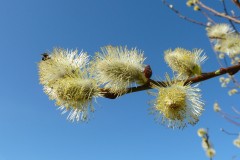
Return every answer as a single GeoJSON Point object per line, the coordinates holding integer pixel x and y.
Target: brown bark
{"type": "Point", "coordinates": [205, 76]}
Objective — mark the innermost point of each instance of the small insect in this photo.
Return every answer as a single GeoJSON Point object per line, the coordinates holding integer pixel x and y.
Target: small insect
{"type": "Point", "coordinates": [147, 71]}
{"type": "Point", "coordinates": [45, 56]}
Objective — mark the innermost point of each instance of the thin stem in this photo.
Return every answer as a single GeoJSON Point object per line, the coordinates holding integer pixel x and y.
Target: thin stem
{"type": "Point", "coordinates": [230, 21]}
{"type": "Point", "coordinates": [231, 121]}
{"type": "Point", "coordinates": [208, 17]}
{"type": "Point", "coordinates": [235, 110]}
{"type": "Point", "coordinates": [216, 54]}
{"type": "Point", "coordinates": [229, 133]}
{"type": "Point", "coordinates": [230, 70]}
{"type": "Point", "coordinates": [235, 81]}
{"type": "Point", "coordinates": [237, 3]}
{"type": "Point", "coordinates": [182, 16]}
{"type": "Point", "coordinates": [229, 115]}
{"type": "Point", "coordinates": [225, 61]}
{"type": "Point", "coordinates": [207, 139]}
{"type": "Point", "coordinates": [223, 15]}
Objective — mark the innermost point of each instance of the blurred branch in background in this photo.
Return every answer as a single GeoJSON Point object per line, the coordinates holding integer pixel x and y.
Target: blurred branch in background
{"type": "Point", "coordinates": [237, 3]}
{"type": "Point", "coordinates": [224, 39]}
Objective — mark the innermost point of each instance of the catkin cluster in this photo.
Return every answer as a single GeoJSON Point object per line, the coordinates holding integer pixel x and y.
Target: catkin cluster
{"type": "Point", "coordinates": [236, 142]}
{"type": "Point", "coordinates": [206, 145]}
{"type": "Point", "coordinates": [225, 41]}
{"type": "Point", "coordinates": [193, 3]}
{"type": "Point", "coordinates": [73, 81]}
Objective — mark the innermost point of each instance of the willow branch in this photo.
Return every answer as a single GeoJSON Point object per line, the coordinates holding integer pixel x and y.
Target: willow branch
{"type": "Point", "coordinates": [207, 139]}
{"type": "Point", "coordinates": [230, 21]}
{"type": "Point", "coordinates": [231, 120]}
{"type": "Point", "coordinates": [237, 3]}
{"type": "Point", "coordinates": [229, 133]}
{"type": "Point", "coordinates": [208, 17]}
{"type": "Point", "coordinates": [229, 70]}
{"type": "Point", "coordinates": [182, 16]}
{"type": "Point", "coordinates": [228, 115]}
{"type": "Point", "coordinates": [224, 15]}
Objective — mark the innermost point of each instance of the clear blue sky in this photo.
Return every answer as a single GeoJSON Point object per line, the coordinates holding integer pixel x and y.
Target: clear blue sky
{"type": "Point", "coordinates": [31, 127]}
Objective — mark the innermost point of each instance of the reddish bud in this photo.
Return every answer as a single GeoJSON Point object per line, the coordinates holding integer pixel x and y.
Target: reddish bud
{"type": "Point", "coordinates": [147, 71]}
